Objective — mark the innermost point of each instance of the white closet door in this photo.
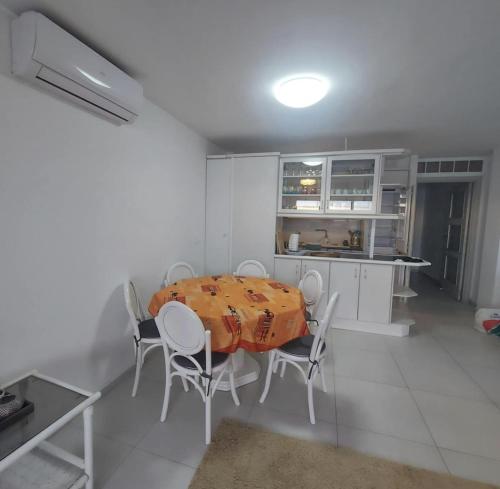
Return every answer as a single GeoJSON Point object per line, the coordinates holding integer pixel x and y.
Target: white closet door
{"type": "Point", "coordinates": [255, 189]}
{"type": "Point", "coordinates": [344, 279]}
{"type": "Point", "coordinates": [375, 293]}
{"type": "Point", "coordinates": [218, 216]}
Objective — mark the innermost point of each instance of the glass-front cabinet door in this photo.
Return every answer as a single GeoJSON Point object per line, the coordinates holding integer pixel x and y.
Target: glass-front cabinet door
{"type": "Point", "coordinates": [302, 183]}
{"type": "Point", "coordinates": [352, 184]}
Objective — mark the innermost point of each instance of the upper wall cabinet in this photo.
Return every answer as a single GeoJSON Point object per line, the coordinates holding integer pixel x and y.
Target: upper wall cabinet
{"type": "Point", "coordinates": [353, 184]}
{"type": "Point", "coordinates": [302, 185]}
{"type": "Point", "coordinates": [343, 184]}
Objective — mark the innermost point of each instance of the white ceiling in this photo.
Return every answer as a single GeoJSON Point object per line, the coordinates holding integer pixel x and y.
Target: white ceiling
{"type": "Point", "coordinates": [421, 74]}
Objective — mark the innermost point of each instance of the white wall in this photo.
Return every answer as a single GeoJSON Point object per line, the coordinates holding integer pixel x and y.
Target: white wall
{"type": "Point", "coordinates": [84, 205]}
{"type": "Point", "coordinates": [489, 279]}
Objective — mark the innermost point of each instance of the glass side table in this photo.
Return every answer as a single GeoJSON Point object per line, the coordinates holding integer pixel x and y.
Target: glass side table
{"type": "Point", "coordinates": [27, 459]}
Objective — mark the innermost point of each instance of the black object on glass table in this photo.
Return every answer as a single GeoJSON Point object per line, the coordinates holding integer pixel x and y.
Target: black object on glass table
{"type": "Point", "coordinates": [12, 409]}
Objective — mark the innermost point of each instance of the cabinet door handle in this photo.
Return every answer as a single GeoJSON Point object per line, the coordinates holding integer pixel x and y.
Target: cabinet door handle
{"type": "Point", "coordinates": [364, 274]}
{"type": "Point", "coordinates": [356, 272]}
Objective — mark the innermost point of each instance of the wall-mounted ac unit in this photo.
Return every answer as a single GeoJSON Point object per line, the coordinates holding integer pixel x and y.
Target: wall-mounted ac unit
{"type": "Point", "coordinates": [47, 55]}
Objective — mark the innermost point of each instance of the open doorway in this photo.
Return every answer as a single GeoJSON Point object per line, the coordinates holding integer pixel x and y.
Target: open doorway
{"type": "Point", "coordinates": [442, 214]}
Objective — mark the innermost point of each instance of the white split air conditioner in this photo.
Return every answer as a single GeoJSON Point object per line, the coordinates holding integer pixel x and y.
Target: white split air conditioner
{"type": "Point", "coordinates": [47, 55]}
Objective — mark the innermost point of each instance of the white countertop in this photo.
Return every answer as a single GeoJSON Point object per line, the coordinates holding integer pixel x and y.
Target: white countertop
{"type": "Point", "coordinates": [397, 263]}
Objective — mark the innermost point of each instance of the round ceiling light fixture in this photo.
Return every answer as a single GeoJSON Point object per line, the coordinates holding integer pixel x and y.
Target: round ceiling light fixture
{"type": "Point", "coordinates": [301, 90]}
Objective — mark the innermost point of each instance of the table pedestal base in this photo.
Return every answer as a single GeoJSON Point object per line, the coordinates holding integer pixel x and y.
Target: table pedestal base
{"type": "Point", "coordinates": [246, 370]}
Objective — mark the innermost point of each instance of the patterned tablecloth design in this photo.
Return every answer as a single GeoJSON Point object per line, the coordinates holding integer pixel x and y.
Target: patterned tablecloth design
{"type": "Point", "coordinates": [241, 312]}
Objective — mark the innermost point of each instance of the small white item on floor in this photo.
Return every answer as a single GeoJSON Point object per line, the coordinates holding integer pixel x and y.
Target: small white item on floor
{"type": "Point", "coordinates": [485, 314]}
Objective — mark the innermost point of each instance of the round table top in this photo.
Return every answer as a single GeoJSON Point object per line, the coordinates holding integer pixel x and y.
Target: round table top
{"type": "Point", "coordinates": [257, 314]}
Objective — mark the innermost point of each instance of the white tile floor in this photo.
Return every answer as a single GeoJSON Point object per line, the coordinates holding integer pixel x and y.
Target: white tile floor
{"type": "Point", "coordinates": [431, 400]}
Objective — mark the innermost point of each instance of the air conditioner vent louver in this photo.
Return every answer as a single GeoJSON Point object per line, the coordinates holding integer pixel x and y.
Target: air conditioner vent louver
{"type": "Point", "coordinates": [461, 166]}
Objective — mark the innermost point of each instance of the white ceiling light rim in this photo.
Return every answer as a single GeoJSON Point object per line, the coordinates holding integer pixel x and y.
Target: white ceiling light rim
{"type": "Point", "coordinates": [301, 90]}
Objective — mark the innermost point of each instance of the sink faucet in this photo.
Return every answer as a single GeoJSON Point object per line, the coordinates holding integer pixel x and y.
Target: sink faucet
{"type": "Point", "coordinates": [326, 234]}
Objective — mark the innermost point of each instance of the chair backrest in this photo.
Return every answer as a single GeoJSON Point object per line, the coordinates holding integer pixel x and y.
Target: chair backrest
{"type": "Point", "coordinates": [181, 328]}
{"type": "Point", "coordinates": [182, 331]}
{"type": "Point", "coordinates": [311, 286]}
{"type": "Point", "coordinates": [179, 271]}
{"type": "Point", "coordinates": [324, 324]}
{"type": "Point", "coordinates": [252, 268]}
{"type": "Point", "coordinates": [134, 306]}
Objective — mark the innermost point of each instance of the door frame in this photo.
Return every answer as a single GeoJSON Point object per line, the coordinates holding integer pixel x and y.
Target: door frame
{"type": "Point", "coordinates": [457, 289]}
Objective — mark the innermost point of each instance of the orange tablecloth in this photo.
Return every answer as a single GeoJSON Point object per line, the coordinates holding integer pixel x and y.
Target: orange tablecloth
{"type": "Point", "coordinates": [241, 312]}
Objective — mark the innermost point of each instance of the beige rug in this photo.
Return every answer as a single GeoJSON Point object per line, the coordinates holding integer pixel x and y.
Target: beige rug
{"type": "Point", "coordinates": [245, 457]}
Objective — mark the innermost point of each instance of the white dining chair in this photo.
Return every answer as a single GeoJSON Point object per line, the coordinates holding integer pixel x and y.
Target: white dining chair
{"type": "Point", "coordinates": [146, 335]}
{"type": "Point", "coordinates": [311, 286]}
{"type": "Point", "coordinates": [188, 354]}
{"type": "Point", "coordinates": [251, 268]}
{"type": "Point", "coordinates": [308, 351]}
{"type": "Point", "coordinates": [178, 271]}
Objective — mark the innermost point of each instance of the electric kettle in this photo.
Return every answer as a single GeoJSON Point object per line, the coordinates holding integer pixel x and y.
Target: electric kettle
{"type": "Point", "coordinates": [293, 242]}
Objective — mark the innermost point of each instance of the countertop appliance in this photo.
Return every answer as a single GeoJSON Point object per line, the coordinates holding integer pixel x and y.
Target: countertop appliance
{"type": "Point", "coordinates": [293, 242]}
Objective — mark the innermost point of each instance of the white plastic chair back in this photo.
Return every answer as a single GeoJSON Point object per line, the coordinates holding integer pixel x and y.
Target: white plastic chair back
{"type": "Point", "coordinates": [311, 286]}
{"type": "Point", "coordinates": [252, 268]}
{"type": "Point", "coordinates": [134, 306]}
{"type": "Point", "coordinates": [179, 271]}
{"type": "Point", "coordinates": [181, 328]}
{"type": "Point", "coordinates": [326, 320]}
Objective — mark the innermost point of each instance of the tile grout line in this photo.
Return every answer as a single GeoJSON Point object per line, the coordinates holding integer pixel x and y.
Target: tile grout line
{"type": "Point", "coordinates": [420, 412]}
{"type": "Point", "coordinates": [465, 371]}
{"type": "Point", "coordinates": [409, 388]}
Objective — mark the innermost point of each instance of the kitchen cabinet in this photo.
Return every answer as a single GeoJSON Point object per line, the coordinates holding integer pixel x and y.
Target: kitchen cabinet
{"type": "Point", "coordinates": [323, 267]}
{"type": "Point", "coordinates": [291, 270]}
{"type": "Point", "coordinates": [302, 185]}
{"type": "Point", "coordinates": [287, 270]}
{"type": "Point", "coordinates": [352, 184]}
{"type": "Point", "coordinates": [241, 191]}
{"type": "Point", "coordinates": [365, 291]}
{"type": "Point", "coordinates": [344, 279]}
{"type": "Point", "coordinates": [375, 293]}
{"type": "Point", "coordinates": [340, 184]}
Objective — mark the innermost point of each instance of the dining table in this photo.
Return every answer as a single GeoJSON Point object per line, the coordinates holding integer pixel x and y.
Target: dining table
{"type": "Point", "coordinates": [243, 313]}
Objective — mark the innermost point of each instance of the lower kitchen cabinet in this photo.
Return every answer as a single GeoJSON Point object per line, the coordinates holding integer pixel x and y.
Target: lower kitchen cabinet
{"type": "Point", "coordinates": [375, 293]}
{"type": "Point", "coordinates": [287, 270]}
{"type": "Point", "coordinates": [291, 270]}
{"type": "Point", "coordinates": [323, 267]}
{"type": "Point", "coordinates": [344, 279]}
{"type": "Point", "coordinates": [365, 291]}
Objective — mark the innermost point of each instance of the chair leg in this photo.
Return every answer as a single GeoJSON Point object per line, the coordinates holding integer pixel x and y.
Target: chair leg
{"type": "Point", "coordinates": [270, 369]}
{"type": "Point", "coordinates": [233, 387]}
{"type": "Point", "coordinates": [275, 365]}
{"type": "Point", "coordinates": [208, 417]}
{"type": "Point", "coordinates": [322, 375]}
{"type": "Point", "coordinates": [185, 384]}
{"type": "Point", "coordinates": [283, 368]}
{"type": "Point", "coordinates": [310, 401]}
{"type": "Point", "coordinates": [138, 365]}
{"type": "Point", "coordinates": [166, 396]}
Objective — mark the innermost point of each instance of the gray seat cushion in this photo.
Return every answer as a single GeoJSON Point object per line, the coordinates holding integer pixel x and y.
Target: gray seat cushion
{"type": "Point", "coordinates": [217, 359]}
{"type": "Point", "coordinates": [300, 347]}
{"type": "Point", "coordinates": [148, 329]}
